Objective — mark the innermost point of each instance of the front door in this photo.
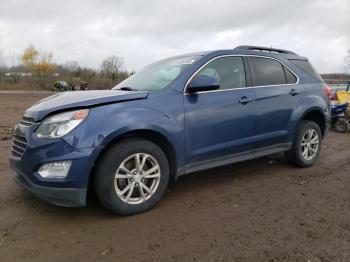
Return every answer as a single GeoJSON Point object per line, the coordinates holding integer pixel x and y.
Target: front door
{"type": "Point", "coordinates": [220, 124]}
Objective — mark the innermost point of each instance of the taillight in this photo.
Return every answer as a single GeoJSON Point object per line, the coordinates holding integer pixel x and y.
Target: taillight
{"type": "Point", "coordinates": [327, 89]}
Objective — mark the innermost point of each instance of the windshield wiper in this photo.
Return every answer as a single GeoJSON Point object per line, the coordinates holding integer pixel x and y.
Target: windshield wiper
{"type": "Point", "coordinates": [127, 88]}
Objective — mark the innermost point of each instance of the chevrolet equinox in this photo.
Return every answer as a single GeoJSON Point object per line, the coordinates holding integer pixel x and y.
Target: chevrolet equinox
{"type": "Point", "coordinates": [174, 117]}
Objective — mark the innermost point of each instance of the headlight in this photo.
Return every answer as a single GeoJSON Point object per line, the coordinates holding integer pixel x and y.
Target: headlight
{"type": "Point", "coordinates": [61, 124]}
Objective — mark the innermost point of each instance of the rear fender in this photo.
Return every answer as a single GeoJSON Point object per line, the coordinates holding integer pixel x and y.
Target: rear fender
{"type": "Point", "coordinates": [318, 104]}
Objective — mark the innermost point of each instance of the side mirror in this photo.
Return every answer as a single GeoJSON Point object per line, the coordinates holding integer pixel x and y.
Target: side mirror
{"type": "Point", "coordinates": [203, 83]}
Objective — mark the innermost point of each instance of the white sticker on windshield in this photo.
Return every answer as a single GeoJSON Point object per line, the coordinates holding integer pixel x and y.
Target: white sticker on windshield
{"type": "Point", "coordinates": [184, 61]}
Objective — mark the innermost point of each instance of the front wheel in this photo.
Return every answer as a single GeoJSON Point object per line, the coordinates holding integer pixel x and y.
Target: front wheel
{"type": "Point", "coordinates": [306, 144]}
{"type": "Point", "coordinates": [132, 176]}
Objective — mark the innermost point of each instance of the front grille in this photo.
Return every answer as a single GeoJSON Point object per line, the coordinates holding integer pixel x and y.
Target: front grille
{"type": "Point", "coordinates": [27, 121]}
{"type": "Point", "coordinates": [19, 145]}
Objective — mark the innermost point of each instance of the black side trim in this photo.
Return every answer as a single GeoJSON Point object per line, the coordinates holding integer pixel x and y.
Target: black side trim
{"type": "Point", "coordinates": [234, 158]}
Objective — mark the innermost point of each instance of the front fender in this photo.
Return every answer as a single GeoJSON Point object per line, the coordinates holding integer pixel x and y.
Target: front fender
{"type": "Point", "coordinates": [108, 122]}
{"type": "Point", "coordinates": [137, 127]}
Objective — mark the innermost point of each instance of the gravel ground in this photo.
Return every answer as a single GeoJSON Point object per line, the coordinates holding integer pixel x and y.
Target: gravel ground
{"type": "Point", "coordinates": [259, 210]}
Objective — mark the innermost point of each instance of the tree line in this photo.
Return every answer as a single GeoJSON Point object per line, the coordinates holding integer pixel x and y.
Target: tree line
{"type": "Point", "coordinates": [36, 69]}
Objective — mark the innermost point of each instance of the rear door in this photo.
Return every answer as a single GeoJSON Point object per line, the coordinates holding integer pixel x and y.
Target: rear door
{"type": "Point", "coordinates": [277, 94]}
{"type": "Point", "coordinates": [219, 123]}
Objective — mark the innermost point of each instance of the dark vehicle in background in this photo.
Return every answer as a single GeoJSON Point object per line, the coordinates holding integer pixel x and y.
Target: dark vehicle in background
{"type": "Point", "coordinates": [177, 116]}
{"type": "Point", "coordinates": [61, 86]}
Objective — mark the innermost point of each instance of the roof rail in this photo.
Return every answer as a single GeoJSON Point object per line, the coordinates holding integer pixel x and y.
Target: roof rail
{"type": "Point", "coordinates": [266, 49]}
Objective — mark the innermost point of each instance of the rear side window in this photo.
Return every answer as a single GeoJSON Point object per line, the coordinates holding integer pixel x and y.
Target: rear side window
{"type": "Point", "coordinates": [267, 71]}
{"type": "Point", "coordinates": [229, 71]}
{"type": "Point", "coordinates": [307, 68]}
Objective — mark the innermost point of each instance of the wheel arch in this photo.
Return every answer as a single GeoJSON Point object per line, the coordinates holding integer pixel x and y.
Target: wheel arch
{"type": "Point", "coordinates": [316, 115]}
{"type": "Point", "coordinates": [151, 135]}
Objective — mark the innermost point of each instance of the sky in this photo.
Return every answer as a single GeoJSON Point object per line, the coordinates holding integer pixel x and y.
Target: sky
{"type": "Point", "coordinates": [144, 31]}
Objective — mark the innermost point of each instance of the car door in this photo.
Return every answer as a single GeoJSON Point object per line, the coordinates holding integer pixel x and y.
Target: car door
{"type": "Point", "coordinates": [219, 124]}
{"type": "Point", "coordinates": [277, 94]}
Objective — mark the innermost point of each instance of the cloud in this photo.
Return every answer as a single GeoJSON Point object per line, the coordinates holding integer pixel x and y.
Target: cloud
{"type": "Point", "coordinates": [143, 31]}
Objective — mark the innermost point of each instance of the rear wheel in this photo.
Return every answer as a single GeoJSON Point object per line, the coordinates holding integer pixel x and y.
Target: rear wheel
{"type": "Point", "coordinates": [306, 144]}
{"type": "Point", "coordinates": [132, 176]}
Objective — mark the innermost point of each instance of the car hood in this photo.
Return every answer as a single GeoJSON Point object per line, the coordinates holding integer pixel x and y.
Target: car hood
{"type": "Point", "coordinates": [79, 99]}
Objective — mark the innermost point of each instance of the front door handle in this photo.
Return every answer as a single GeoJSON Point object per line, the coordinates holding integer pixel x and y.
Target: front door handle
{"type": "Point", "coordinates": [245, 100]}
{"type": "Point", "coordinates": [294, 92]}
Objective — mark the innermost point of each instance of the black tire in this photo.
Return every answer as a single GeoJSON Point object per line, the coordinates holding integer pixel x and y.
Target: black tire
{"type": "Point", "coordinates": [294, 155]}
{"type": "Point", "coordinates": [342, 126]}
{"type": "Point", "coordinates": [108, 165]}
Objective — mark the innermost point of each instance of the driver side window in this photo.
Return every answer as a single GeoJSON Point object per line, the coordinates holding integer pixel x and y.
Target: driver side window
{"type": "Point", "coordinates": [229, 71]}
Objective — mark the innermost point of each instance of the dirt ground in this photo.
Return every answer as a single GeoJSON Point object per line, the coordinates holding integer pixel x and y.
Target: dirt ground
{"type": "Point", "coordinates": [259, 210]}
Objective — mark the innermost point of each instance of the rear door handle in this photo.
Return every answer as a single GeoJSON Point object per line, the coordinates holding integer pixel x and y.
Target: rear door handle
{"type": "Point", "coordinates": [294, 92]}
{"type": "Point", "coordinates": [245, 100]}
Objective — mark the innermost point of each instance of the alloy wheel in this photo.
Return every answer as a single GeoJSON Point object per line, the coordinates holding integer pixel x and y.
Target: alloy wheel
{"type": "Point", "coordinates": [137, 178]}
{"type": "Point", "coordinates": [309, 144]}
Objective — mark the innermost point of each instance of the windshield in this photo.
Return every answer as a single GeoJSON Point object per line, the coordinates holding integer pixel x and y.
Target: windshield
{"type": "Point", "coordinates": [157, 75]}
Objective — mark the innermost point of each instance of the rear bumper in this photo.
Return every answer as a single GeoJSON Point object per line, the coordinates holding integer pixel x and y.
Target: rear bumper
{"type": "Point", "coordinates": [66, 197]}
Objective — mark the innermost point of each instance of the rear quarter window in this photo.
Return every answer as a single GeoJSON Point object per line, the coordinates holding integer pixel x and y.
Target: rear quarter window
{"type": "Point", "coordinates": [307, 68]}
{"type": "Point", "coordinates": [290, 77]}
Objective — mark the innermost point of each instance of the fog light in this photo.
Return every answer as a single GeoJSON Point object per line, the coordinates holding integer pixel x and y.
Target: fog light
{"type": "Point", "coordinates": [55, 169]}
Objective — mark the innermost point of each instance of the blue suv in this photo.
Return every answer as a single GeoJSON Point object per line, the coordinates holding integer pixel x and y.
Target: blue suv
{"type": "Point", "coordinates": [176, 116]}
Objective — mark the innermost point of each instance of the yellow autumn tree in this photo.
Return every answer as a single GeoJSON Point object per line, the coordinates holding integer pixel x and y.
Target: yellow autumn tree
{"type": "Point", "coordinates": [29, 58]}
{"type": "Point", "coordinates": [39, 63]}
